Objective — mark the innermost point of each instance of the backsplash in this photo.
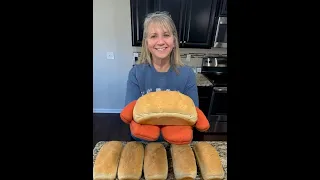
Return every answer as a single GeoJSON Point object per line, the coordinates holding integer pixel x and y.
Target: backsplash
{"type": "Point", "coordinates": [196, 54]}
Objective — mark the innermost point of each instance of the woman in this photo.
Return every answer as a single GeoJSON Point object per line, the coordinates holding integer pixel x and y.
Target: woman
{"type": "Point", "coordinates": [160, 67]}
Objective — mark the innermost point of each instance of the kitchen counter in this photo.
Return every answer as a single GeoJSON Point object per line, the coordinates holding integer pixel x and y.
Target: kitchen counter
{"type": "Point", "coordinates": [221, 147]}
{"type": "Point", "coordinates": [202, 80]}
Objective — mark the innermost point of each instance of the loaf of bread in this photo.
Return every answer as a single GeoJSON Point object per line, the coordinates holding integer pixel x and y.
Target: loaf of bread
{"type": "Point", "coordinates": [106, 163]}
{"type": "Point", "coordinates": [165, 108]}
{"type": "Point", "coordinates": [183, 161]}
{"type": "Point", "coordinates": [155, 162]}
{"type": "Point", "coordinates": [208, 161]}
{"type": "Point", "coordinates": [131, 161]}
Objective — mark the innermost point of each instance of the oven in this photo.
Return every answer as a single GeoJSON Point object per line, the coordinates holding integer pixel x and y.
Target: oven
{"type": "Point", "coordinates": [220, 38]}
{"type": "Point", "coordinates": [218, 111]}
{"type": "Point", "coordinates": [218, 108]}
{"type": "Point", "coordinates": [219, 105]}
{"type": "Point", "coordinates": [215, 69]}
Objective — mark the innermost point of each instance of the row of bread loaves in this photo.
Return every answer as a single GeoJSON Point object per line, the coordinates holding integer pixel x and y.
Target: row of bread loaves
{"type": "Point", "coordinates": [115, 161]}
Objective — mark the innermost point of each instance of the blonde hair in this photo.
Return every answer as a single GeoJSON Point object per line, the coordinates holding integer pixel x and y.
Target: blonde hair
{"type": "Point", "coordinates": [164, 20]}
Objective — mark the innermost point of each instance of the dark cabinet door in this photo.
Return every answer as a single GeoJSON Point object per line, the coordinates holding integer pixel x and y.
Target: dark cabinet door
{"type": "Point", "coordinates": [195, 22]}
{"type": "Point", "coordinates": [223, 8]}
{"type": "Point", "coordinates": [139, 10]}
{"type": "Point", "coordinates": [199, 23]}
{"type": "Point", "coordinates": [176, 10]}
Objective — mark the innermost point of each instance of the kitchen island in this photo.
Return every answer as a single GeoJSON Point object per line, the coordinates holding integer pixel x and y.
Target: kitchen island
{"type": "Point", "coordinates": [221, 147]}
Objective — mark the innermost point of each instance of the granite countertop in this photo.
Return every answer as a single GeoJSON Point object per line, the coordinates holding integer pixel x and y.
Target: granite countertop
{"type": "Point", "coordinates": [221, 147]}
{"type": "Point", "coordinates": [202, 80]}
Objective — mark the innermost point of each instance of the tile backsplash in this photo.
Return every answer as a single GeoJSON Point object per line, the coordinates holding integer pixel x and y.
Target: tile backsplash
{"type": "Point", "coordinates": [196, 54]}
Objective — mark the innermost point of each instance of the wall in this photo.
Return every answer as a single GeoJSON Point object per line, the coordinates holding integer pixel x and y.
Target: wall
{"type": "Point", "coordinates": [112, 32]}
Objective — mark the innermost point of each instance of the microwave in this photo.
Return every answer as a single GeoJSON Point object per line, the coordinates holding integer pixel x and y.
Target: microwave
{"type": "Point", "coordinates": [220, 38]}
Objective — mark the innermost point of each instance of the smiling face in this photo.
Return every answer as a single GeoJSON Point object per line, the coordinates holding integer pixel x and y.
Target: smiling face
{"type": "Point", "coordinates": [160, 41]}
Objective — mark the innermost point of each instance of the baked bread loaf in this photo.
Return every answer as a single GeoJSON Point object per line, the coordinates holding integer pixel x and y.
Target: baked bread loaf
{"type": "Point", "coordinates": [131, 161]}
{"type": "Point", "coordinates": [155, 162]}
{"type": "Point", "coordinates": [106, 163]}
{"type": "Point", "coordinates": [208, 161]}
{"type": "Point", "coordinates": [165, 108]}
{"type": "Point", "coordinates": [183, 161]}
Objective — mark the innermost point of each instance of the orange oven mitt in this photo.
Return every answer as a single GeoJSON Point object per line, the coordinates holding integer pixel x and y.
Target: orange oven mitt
{"type": "Point", "coordinates": [141, 131]}
{"type": "Point", "coordinates": [184, 134]}
{"type": "Point", "coordinates": [174, 134]}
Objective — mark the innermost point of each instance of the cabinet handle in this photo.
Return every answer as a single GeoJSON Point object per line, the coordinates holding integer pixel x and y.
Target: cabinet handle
{"type": "Point", "coordinates": [221, 20]}
{"type": "Point", "coordinates": [221, 89]}
{"type": "Point", "coordinates": [180, 42]}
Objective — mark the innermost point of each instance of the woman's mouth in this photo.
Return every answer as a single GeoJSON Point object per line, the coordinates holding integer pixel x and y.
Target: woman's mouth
{"type": "Point", "coordinates": [161, 49]}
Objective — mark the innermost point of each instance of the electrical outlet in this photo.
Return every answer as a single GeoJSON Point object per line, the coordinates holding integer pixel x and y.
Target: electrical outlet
{"type": "Point", "coordinates": [188, 58]}
{"type": "Point", "coordinates": [110, 55]}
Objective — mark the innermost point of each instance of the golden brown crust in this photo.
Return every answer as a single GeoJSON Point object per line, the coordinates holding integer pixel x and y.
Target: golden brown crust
{"type": "Point", "coordinates": [175, 107]}
{"type": "Point", "coordinates": [183, 161]}
{"type": "Point", "coordinates": [208, 161]}
{"type": "Point", "coordinates": [155, 162]}
{"type": "Point", "coordinates": [131, 161]}
{"type": "Point", "coordinates": [166, 120]}
{"type": "Point", "coordinates": [106, 163]}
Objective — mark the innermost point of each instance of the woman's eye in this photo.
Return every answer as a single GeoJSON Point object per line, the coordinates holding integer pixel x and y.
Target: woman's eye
{"type": "Point", "coordinates": [153, 36]}
{"type": "Point", "coordinates": [166, 35]}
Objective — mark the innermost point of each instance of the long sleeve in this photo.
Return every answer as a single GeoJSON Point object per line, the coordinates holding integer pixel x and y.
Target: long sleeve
{"type": "Point", "coordinates": [191, 89]}
{"type": "Point", "coordinates": [133, 90]}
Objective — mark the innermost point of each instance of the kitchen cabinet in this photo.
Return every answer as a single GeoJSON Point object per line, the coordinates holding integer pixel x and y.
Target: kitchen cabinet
{"type": "Point", "coordinates": [139, 10]}
{"type": "Point", "coordinates": [195, 22]}
{"type": "Point", "coordinates": [199, 23]}
{"type": "Point", "coordinates": [176, 9]}
{"type": "Point", "coordinates": [223, 8]}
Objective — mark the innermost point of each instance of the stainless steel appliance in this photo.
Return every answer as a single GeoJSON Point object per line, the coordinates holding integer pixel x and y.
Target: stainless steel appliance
{"type": "Point", "coordinates": [220, 39]}
{"type": "Point", "coordinates": [215, 69]}
{"type": "Point", "coordinates": [214, 61]}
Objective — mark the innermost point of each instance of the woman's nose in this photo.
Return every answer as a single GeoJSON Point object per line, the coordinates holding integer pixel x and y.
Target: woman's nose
{"type": "Point", "coordinates": [160, 40]}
